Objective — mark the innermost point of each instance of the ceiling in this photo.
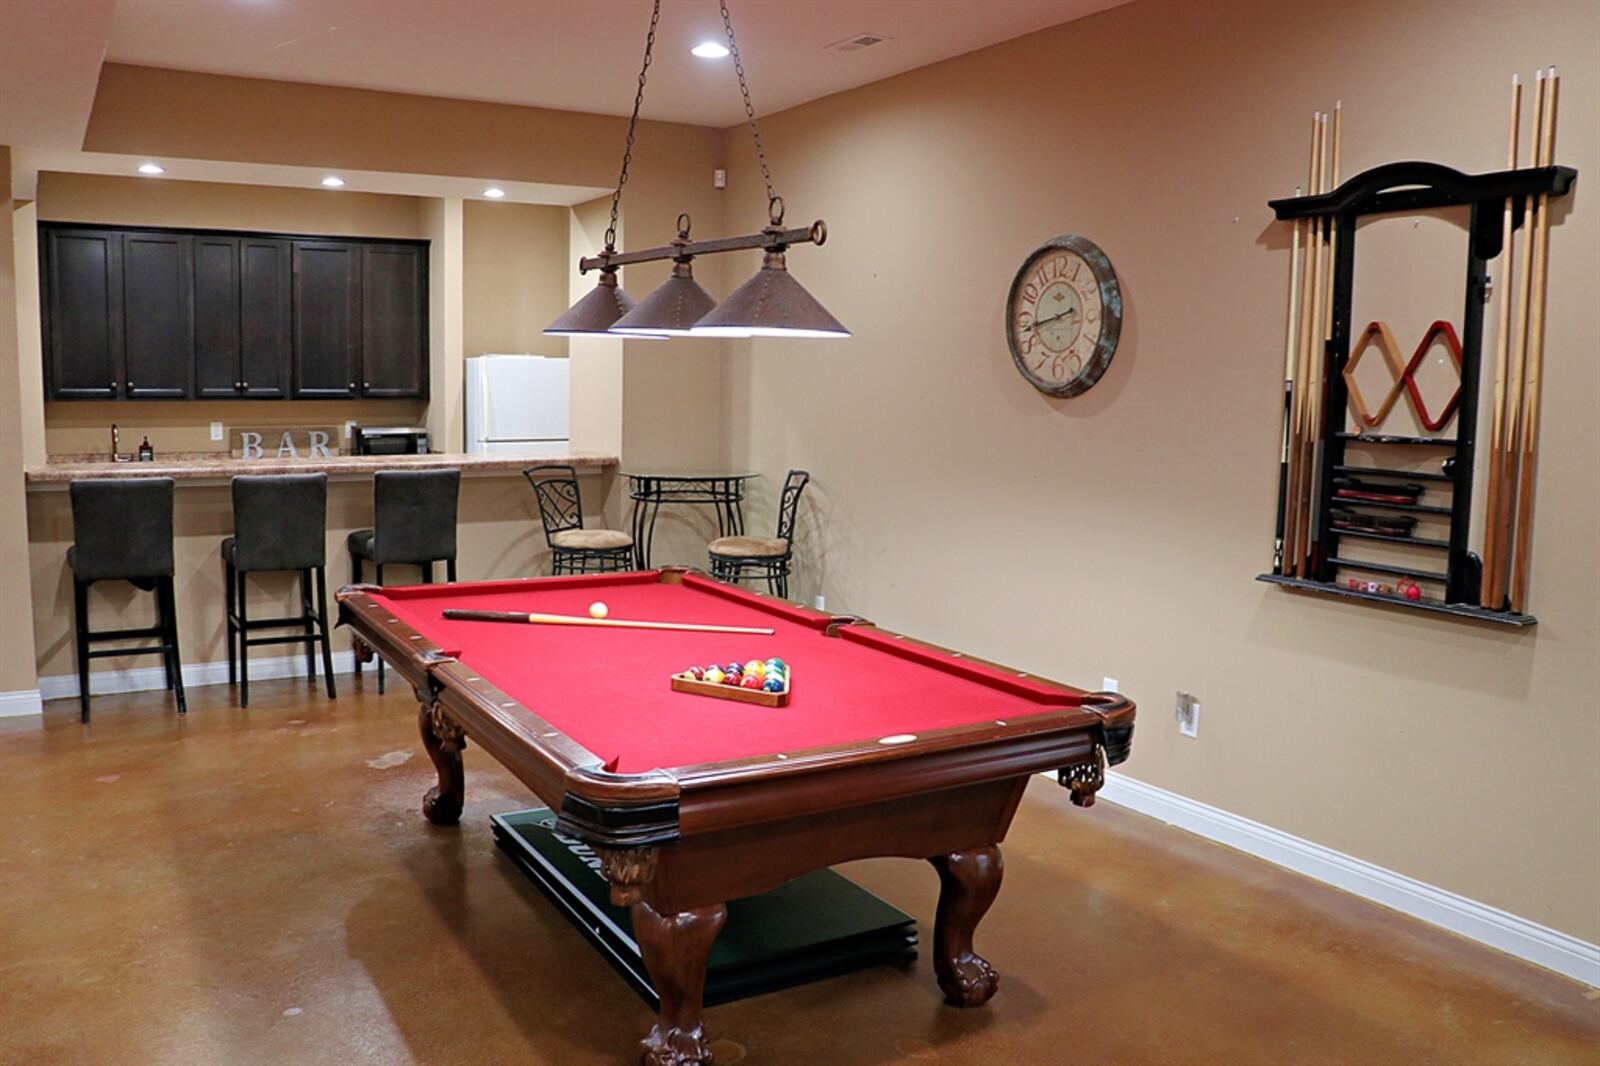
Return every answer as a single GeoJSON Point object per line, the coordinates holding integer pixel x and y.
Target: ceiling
{"type": "Point", "coordinates": [573, 55]}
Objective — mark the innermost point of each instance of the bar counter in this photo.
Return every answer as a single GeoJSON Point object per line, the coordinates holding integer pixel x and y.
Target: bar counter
{"type": "Point", "coordinates": [218, 468]}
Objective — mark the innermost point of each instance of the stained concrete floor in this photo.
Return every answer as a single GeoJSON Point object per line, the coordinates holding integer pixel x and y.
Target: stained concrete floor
{"type": "Point", "coordinates": [258, 887]}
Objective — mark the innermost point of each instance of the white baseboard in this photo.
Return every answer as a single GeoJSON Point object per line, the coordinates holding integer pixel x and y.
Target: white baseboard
{"type": "Point", "coordinates": [150, 678]}
{"type": "Point", "coordinates": [1566, 955]}
{"type": "Point", "coordinates": [22, 702]}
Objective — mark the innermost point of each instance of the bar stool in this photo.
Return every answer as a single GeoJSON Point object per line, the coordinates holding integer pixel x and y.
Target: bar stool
{"type": "Point", "coordinates": [733, 558]}
{"type": "Point", "coordinates": [122, 531]}
{"type": "Point", "coordinates": [414, 523]}
{"type": "Point", "coordinates": [279, 523]}
{"type": "Point", "coordinates": [573, 549]}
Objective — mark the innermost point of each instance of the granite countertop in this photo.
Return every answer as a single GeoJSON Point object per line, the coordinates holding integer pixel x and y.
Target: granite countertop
{"type": "Point", "coordinates": [215, 466]}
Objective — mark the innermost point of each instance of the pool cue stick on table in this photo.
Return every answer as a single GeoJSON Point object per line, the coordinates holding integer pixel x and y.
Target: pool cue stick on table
{"type": "Point", "coordinates": [537, 619]}
{"type": "Point", "coordinates": [1502, 351]}
{"type": "Point", "coordinates": [1530, 385]}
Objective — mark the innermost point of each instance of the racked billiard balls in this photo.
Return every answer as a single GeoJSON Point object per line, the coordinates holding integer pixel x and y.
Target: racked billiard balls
{"type": "Point", "coordinates": [773, 684]}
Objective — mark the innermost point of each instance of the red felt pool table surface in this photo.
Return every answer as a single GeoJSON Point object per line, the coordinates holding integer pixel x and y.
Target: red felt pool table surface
{"type": "Point", "coordinates": [609, 688]}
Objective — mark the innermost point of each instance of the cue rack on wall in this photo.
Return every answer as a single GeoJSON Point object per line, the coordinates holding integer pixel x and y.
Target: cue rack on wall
{"type": "Point", "coordinates": [1346, 486]}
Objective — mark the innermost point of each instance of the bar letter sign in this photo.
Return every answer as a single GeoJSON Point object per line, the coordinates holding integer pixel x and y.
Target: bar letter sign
{"type": "Point", "coordinates": [286, 442]}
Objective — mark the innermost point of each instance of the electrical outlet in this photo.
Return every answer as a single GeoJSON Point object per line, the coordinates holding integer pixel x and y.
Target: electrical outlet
{"type": "Point", "coordinates": [1110, 684]}
{"type": "Point", "coordinates": [1188, 715]}
{"type": "Point", "coordinates": [719, 178]}
{"type": "Point", "coordinates": [216, 431]}
{"type": "Point", "coordinates": [819, 601]}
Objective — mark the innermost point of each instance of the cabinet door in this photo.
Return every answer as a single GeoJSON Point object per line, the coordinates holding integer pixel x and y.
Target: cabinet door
{"type": "Point", "coordinates": [267, 322]}
{"type": "Point", "coordinates": [394, 345]}
{"type": "Point", "coordinates": [216, 317]}
{"type": "Point", "coordinates": [158, 315]}
{"type": "Point", "coordinates": [327, 318]}
{"type": "Point", "coordinates": [82, 313]}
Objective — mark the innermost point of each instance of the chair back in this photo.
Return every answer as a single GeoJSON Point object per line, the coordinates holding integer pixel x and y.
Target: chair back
{"type": "Point", "coordinates": [414, 515]}
{"type": "Point", "coordinates": [280, 522]}
{"type": "Point", "coordinates": [555, 486]}
{"type": "Point", "coordinates": [789, 503]}
{"type": "Point", "coordinates": [122, 528]}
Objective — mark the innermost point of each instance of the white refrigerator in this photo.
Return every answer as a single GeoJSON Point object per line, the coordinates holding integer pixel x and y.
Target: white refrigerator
{"type": "Point", "coordinates": [519, 405]}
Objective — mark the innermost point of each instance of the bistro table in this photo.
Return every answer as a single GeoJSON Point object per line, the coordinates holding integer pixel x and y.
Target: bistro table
{"type": "Point", "coordinates": [649, 489]}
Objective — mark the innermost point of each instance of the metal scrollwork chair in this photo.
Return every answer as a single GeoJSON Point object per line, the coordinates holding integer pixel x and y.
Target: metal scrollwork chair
{"type": "Point", "coordinates": [734, 558]}
{"type": "Point", "coordinates": [573, 549]}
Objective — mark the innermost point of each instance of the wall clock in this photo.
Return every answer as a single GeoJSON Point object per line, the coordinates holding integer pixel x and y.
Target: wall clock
{"type": "Point", "coordinates": [1064, 316]}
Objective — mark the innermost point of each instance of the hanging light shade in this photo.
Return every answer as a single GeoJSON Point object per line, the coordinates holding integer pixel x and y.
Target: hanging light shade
{"type": "Point", "coordinates": [671, 310]}
{"type": "Point", "coordinates": [595, 313]}
{"type": "Point", "coordinates": [771, 304]}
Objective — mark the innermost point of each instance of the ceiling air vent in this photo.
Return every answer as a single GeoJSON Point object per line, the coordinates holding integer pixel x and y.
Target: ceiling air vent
{"type": "Point", "coordinates": [858, 42]}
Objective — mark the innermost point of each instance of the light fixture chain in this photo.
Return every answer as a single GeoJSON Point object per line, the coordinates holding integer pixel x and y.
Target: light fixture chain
{"type": "Point", "coordinates": [750, 114]}
{"type": "Point", "coordinates": [633, 125]}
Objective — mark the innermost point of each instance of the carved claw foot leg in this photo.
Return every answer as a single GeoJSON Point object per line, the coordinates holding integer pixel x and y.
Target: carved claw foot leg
{"type": "Point", "coordinates": [969, 881]}
{"type": "Point", "coordinates": [675, 948]}
{"type": "Point", "coordinates": [443, 740]}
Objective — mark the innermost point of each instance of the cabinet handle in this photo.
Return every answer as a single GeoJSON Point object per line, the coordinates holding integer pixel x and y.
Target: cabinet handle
{"type": "Point", "coordinates": [352, 385]}
{"type": "Point", "coordinates": [244, 385]}
{"type": "Point", "coordinates": [366, 384]}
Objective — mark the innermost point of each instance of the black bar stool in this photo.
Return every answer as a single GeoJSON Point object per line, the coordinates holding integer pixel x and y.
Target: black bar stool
{"type": "Point", "coordinates": [414, 523]}
{"type": "Point", "coordinates": [122, 531]}
{"type": "Point", "coordinates": [733, 558]}
{"type": "Point", "coordinates": [279, 523]}
{"type": "Point", "coordinates": [573, 549]}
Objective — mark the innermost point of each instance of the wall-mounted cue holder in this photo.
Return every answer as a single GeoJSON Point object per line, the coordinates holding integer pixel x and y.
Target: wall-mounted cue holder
{"type": "Point", "coordinates": [1346, 486]}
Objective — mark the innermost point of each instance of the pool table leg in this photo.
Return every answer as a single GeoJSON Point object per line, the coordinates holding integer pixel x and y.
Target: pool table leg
{"type": "Point", "coordinates": [969, 882]}
{"type": "Point", "coordinates": [675, 949]}
{"type": "Point", "coordinates": [443, 740]}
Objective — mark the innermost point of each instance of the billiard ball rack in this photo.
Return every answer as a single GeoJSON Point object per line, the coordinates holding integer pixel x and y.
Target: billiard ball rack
{"type": "Point", "coordinates": [723, 691]}
{"type": "Point", "coordinates": [1449, 460]}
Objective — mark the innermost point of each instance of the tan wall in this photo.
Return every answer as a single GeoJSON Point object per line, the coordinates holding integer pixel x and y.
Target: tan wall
{"type": "Point", "coordinates": [498, 536]}
{"type": "Point", "coordinates": [1118, 533]}
{"type": "Point", "coordinates": [16, 651]}
{"type": "Point", "coordinates": [515, 277]}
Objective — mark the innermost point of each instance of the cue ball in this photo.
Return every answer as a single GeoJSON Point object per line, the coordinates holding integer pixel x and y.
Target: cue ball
{"type": "Point", "coordinates": [598, 610]}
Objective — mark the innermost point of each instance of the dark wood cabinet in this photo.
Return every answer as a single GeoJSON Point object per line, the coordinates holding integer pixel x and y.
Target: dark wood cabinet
{"type": "Point", "coordinates": [172, 314]}
{"type": "Point", "coordinates": [157, 315]}
{"type": "Point", "coordinates": [394, 359]}
{"type": "Point", "coordinates": [327, 319]}
{"type": "Point", "coordinates": [266, 318]}
{"type": "Point", "coordinates": [82, 308]}
{"type": "Point", "coordinates": [216, 317]}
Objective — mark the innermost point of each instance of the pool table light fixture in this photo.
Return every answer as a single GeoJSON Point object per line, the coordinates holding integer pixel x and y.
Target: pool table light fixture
{"type": "Point", "coordinates": [770, 304]}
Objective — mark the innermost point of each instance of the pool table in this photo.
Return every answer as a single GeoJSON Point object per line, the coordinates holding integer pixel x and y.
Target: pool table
{"type": "Point", "coordinates": [887, 746]}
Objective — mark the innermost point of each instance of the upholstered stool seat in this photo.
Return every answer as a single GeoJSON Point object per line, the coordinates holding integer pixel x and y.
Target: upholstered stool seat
{"type": "Point", "coordinates": [414, 524]}
{"type": "Point", "coordinates": [122, 531]}
{"type": "Point", "coordinates": [574, 549]}
{"type": "Point", "coordinates": [734, 558]}
{"type": "Point", "coordinates": [750, 547]}
{"type": "Point", "coordinates": [279, 525]}
{"type": "Point", "coordinates": [591, 539]}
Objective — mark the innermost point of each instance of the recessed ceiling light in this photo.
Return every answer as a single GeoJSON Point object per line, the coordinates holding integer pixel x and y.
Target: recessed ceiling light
{"type": "Point", "coordinates": [494, 192]}
{"type": "Point", "coordinates": [152, 168]}
{"type": "Point", "coordinates": [333, 182]}
{"type": "Point", "coordinates": [709, 50]}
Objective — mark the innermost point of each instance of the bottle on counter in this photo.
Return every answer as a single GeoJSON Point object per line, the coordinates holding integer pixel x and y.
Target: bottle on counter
{"type": "Point", "coordinates": [147, 454]}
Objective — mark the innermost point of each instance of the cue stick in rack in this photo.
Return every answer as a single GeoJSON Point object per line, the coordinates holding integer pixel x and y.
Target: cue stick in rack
{"type": "Point", "coordinates": [1511, 436]}
{"type": "Point", "coordinates": [1531, 383]}
{"type": "Point", "coordinates": [1502, 346]}
{"type": "Point", "coordinates": [1292, 520]}
{"type": "Point", "coordinates": [1290, 346]}
{"type": "Point", "coordinates": [1313, 331]}
{"type": "Point", "coordinates": [524, 618]}
{"type": "Point", "coordinates": [1319, 395]}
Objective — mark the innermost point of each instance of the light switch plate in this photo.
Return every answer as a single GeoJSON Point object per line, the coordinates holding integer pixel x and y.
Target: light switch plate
{"type": "Point", "coordinates": [216, 431]}
{"type": "Point", "coordinates": [1110, 684]}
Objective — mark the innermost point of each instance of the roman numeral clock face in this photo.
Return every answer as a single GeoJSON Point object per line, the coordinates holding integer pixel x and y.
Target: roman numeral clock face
{"type": "Point", "coordinates": [1064, 316]}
